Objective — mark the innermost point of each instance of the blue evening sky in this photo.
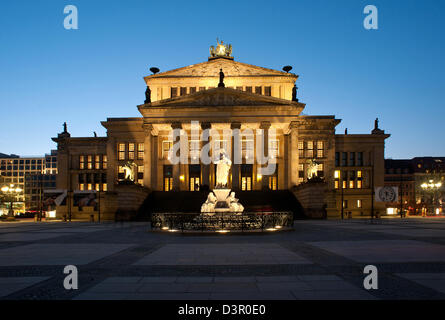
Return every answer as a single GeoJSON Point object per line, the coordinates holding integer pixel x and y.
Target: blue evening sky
{"type": "Point", "coordinates": [50, 75]}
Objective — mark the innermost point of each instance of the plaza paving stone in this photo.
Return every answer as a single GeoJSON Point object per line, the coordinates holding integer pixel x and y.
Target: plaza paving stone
{"type": "Point", "coordinates": [319, 260]}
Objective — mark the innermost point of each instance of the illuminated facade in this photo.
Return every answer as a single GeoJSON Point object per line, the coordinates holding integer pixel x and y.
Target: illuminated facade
{"type": "Point", "coordinates": [251, 97]}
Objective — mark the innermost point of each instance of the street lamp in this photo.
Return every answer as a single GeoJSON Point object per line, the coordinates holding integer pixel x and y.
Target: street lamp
{"type": "Point", "coordinates": [11, 192]}
{"type": "Point", "coordinates": [432, 187]}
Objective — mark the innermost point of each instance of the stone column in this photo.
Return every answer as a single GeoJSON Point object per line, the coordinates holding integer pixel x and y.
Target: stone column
{"type": "Point", "coordinates": [293, 154]}
{"type": "Point", "coordinates": [148, 128]}
{"type": "Point", "coordinates": [176, 167]}
{"type": "Point", "coordinates": [236, 160]}
{"type": "Point", "coordinates": [154, 160]}
{"type": "Point", "coordinates": [206, 167]}
{"type": "Point", "coordinates": [265, 125]}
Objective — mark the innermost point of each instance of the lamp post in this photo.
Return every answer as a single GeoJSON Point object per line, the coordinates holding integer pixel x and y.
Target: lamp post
{"type": "Point", "coordinates": [432, 187]}
{"type": "Point", "coordinates": [11, 192]}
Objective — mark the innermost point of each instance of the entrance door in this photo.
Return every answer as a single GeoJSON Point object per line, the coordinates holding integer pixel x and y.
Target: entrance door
{"type": "Point", "coordinates": [168, 178]}
{"type": "Point", "coordinates": [194, 177]}
{"type": "Point", "coordinates": [246, 177]}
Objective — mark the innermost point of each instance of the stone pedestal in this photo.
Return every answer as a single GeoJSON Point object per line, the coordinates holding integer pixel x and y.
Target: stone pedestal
{"type": "Point", "coordinates": [312, 196]}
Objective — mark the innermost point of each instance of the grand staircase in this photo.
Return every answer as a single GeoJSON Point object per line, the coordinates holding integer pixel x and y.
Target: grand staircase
{"type": "Point", "coordinates": [253, 201]}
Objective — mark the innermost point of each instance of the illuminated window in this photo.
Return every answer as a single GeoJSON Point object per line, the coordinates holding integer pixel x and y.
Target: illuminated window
{"type": "Point", "coordinates": [345, 204]}
{"type": "Point", "coordinates": [320, 170]}
{"type": "Point", "coordinates": [300, 172]}
{"type": "Point", "coordinates": [104, 187]}
{"type": "Point", "coordinates": [81, 187]}
{"type": "Point", "coordinates": [320, 149]}
{"type": "Point", "coordinates": [194, 149]}
{"type": "Point", "coordinates": [359, 184]}
{"type": "Point", "coordinates": [246, 183]}
{"type": "Point", "coordinates": [97, 162]}
{"type": "Point", "coordinates": [336, 184]}
{"type": "Point", "coordinates": [337, 174]}
{"type": "Point", "coordinates": [344, 184]}
{"type": "Point", "coordinates": [121, 149]}
{"type": "Point", "coordinates": [301, 149]}
{"type": "Point", "coordinates": [97, 187]}
{"type": "Point", "coordinates": [310, 149]}
{"type": "Point", "coordinates": [247, 145]}
{"type": "Point", "coordinates": [167, 147]}
{"type": "Point", "coordinates": [90, 162]}
{"type": "Point", "coordinates": [104, 162]}
{"type": "Point", "coordinates": [141, 151]}
{"type": "Point", "coordinates": [81, 162]}
{"type": "Point", "coordinates": [89, 186]}
{"type": "Point", "coordinates": [273, 182]}
{"type": "Point", "coordinates": [359, 203]}
{"type": "Point", "coordinates": [359, 174]}
{"type": "Point", "coordinates": [274, 150]}
{"type": "Point", "coordinates": [351, 184]}
{"type": "Point", "coordinates": [131, 151]}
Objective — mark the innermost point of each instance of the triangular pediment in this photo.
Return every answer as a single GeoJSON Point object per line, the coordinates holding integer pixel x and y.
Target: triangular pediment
{"type": "Point", "coordinates": [212, 68]}
{"type": "Point", "coordinates": [220, 97]}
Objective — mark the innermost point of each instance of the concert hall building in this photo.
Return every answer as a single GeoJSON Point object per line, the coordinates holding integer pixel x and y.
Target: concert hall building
{"type": "Point", "coordinates": [251, 97]}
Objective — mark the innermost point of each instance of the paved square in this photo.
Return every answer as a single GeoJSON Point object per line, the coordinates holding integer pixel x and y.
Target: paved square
{"type": "Point", "coordinates": [378, 251]}
{"type": "Point", "coordinates": [319, 260]}
{"type": "Point", "coordinates": [13, 284]}
{"type": "Point", "coordinates": [218, 254]}
{"type": "Point", "coordinates": [57, 254]}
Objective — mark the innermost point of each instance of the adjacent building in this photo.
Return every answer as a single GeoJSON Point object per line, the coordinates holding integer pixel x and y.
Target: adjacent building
{"type": "Point", "coordinates": [421, 184]}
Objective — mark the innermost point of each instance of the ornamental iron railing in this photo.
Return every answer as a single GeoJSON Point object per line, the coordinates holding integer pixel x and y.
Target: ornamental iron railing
{"type": "Point", "coordinates": [220, 222]}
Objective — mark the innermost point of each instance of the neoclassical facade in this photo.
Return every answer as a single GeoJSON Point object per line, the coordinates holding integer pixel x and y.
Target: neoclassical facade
{"type": "Point", "coordinates": [246, 99]}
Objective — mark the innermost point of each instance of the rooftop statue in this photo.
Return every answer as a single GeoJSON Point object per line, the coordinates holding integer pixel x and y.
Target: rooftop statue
{"type": "Point", "coordinates": [221, 50]}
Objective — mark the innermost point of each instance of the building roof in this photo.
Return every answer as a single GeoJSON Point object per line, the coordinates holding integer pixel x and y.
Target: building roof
{"type": "Point", "coordinates": [212, 68]}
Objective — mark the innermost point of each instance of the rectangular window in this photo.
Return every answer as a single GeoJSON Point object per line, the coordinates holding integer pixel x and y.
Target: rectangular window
{"type": "Point", "coordinates": [104, 162]}
{"type": "Point", "coordinates": [249, 89]}
{"type": "Point", "coordinates": [173, 92]}
{"type": "Point", "coordinates": [104, 187]}
{"type": "Point", "coordinates": [239, 88]}
{"type": "Point", "coordinates": [300, 172]}
{"type": "Point", "coordinates": [359, 184]}
{"type": "Point", "coordinates": [121, 151]}
{"type": "Point", "coordinates": [81, 187]}
{"type": "Point", "coordinates": [167, 146]}
{"type": "Point", "coordinates": [90, 162]}
{"type": "Point", "coordinates": [359, 174]}
{"type": "Point", "coordinates": [82, 162]}
{"type": "Point", "coordinates": [345, 204]}
{"type": "Point", "coordinates": [183, 91]}
{"type": "Point", "coordinates": [336, 184]}
{"type": "Point", "coordinates": [89, 186]}
{"type": "Point", "coordinates": [258, 90]}
{"type": "Point", "coordinates": [352, 159]}
{"type": "Point", "coordinates": [202, 88]}
{"type": "Point", "coordinates": [268, 91]}
{"type": "Point", "coordinates": [344, 184]}
{"type": "Point", "coordinates": [141, 151]}
{"type": "Point", "coordinates": [320, 149]}
{"type": "Point", "coordinates": [194, 149]}
{"type": "Point", "coordinates": [359, 203]}
{"type": "Point", "coordinates": [192, 90]}
{"type": "Point", "coordinates": [301, 149]}
{"type": "Point", "coordinates": [97, 162]}
{"type": "Point", "coordinates": [360, 158]}
{"type": "Point", "coordinates": [274, 148]}
{"type": "Point", "coordinates": [344, 158]}
{"type": "Point", "coordinates": [320, 170]}
{"type": "Point", "coordinates": [310, 149]}
{"type": "Point", "coordinates": [131, 151]}
{"type": "Point", "coordinates": [351, 184]}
